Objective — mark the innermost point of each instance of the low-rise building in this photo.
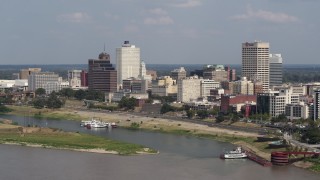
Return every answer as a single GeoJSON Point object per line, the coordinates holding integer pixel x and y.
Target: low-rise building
{"type": "Point", "coordinates": [297, 111]}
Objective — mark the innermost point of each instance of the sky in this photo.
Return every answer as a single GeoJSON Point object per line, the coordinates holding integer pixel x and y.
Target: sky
{"type": "Point", "coordinates": [167, 31]}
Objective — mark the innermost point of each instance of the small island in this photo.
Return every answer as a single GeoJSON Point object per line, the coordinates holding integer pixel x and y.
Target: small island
{"type": "Point", "coordinates": [58, 139]}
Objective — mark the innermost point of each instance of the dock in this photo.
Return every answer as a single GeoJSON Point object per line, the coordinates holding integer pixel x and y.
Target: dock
{"type": "Point", "coordinates": [260, 160]}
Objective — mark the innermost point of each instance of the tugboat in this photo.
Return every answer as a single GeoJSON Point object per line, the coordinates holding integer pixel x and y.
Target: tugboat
{"type": "Point", "coordinates": [235, 154]}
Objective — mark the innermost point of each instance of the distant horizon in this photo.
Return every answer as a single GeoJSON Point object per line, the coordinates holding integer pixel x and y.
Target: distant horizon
{"type": "Point", "coordinates": [146, 64]}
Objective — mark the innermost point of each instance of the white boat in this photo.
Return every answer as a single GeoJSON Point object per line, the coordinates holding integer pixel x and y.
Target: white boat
{"type": "Point", "coordinates": [94, 124]}
{"type": "Point", "coordinates": [235, 154]}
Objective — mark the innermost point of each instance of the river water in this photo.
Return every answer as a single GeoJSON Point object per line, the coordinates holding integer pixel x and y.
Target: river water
{"type": "Point", "coordinates": [181, 157]}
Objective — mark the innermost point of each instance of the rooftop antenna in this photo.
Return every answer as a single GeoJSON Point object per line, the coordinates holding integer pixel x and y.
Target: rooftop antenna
{"type": "Point", "coordinates": [104, 47]}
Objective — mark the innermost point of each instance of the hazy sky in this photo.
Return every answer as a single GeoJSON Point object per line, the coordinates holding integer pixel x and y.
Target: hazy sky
{"type": "Point", "coordinates": [167, 31]}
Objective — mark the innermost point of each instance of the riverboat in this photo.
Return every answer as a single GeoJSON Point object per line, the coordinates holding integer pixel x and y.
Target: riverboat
{"type": "Point", "coordinates": [94, 124]}
{"type": "Point", "coordinates": [235, 154]}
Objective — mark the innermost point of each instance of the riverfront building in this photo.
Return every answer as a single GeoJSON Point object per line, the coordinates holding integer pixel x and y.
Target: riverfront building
{"type": "Point", "coordinates": [102, 76]}
{"type": "Point", "coordinates": [189, 89]}
{"type": "Point", "coordinates": [255, 62]}
{"type": "Point", "coordinates": [46, 80]}
{"type": "Point", "coordinates": [274, 102]}
{"type": "Point", "coordinates": [128, 62]}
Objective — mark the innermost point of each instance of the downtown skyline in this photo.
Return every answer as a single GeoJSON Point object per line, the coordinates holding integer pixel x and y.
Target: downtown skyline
{"type": "Point", "coordinates": [168, 31]}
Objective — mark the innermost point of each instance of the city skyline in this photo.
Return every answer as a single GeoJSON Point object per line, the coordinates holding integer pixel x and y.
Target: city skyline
{"type": "Point", "coordinates": [168, 31]}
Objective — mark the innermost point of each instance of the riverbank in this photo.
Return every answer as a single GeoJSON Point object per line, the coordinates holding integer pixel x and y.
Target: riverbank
{"type": "Point", "coordinates": [57, 139]}
{"type": "Point", "coordinates": [145, 122]}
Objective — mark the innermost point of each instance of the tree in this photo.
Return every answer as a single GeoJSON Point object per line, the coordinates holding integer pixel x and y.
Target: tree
{"type": "Point", "coordinates": [235, 117]}
{"type": "Point", "coordinates": [39, 103]}
{"type": "Point", "coordinates": [67, 92]}
{"type": "Point", "coordinates": [220, 118]}
{"type": "Point", "coordinates": [127, 103]}
{"type": "Point", "coordinates": [80, 94]}
{"type": "Point", "coordinates": [312, 136]}
{"type": "Point", "coordinates": [95, 95]}
{"type": "Point", "coordinates": [4, 109]}
{"type": "Point", "coordinates": [203, 114]}
{"type": "Point", "coordinates": [191, 113]}
{"type": "Point", "coordinates": [166, 108]}
{"type": "Point", "coordinates": [53, 101]}
{"type": "Point", "coordinates": [40, 92]}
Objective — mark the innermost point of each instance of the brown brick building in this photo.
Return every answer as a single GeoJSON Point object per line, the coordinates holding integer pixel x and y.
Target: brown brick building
{"type": "Point", "coordinates": [102, 76]}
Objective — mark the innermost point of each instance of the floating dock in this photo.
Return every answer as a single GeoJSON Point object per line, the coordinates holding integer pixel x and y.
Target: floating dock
{"type": "Point", "coordinates": [260, 160]}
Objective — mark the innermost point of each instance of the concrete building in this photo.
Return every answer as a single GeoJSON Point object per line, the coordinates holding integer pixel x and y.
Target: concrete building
{"type": "Point", "coordinates": [74, 78]}
{"type": "Point", "coordinates": [165, 86]}
{"type": "Point", "coordinates": [189, 89]}
{"type": "Point", "coordinates": [297, 111]}
{"type": "Point", "coordinates": [243, 86]}
{"type": "Point", "coordinates": [180, 73]}
{"type": "Point", "coordinates": [206, 85]}
{"type": "Point", "coordinates": [274, 102]}
{"type": "Point", "coordinates": [46, 80]}
{"type": "Point", "coordinates": [135, 85]}
{"type": "Point", "coordinates": [275, 70]}
{"type": "Point", "coordinates": [255, 62]}
{"type": "Point", "coordinates": [25, 73]}
{"type": "Point", "coordinates": [128, 62]}
{"type": "Point", "coordinates": [316, 105]}
{"type": "Point", "coordinates": [215, 72]}
{"type": "Point", "coordinates": [102, 76]}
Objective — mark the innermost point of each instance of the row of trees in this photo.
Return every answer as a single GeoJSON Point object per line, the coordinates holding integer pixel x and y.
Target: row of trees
{"type": "Point", "coordinates": [77, 94]}
{"type": "Point", "coordinates": [53, 101]}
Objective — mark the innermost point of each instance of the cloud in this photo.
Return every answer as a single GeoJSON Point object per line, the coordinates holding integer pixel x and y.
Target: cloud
{"type": "Point", "coordinates": [111, 16]}
{"type": "Point", "coordinates": [188, 4]}
{"type": "Point", "coordinates": [77, 17]}
{"type": "Point", "coordinates": [162, 20]}
{"type": "Point", "coordinates": [131, 29]}
{"type": "Point", "coordinates": [158, 11]}
{"type": "Point", "coordinates": [266, 16]}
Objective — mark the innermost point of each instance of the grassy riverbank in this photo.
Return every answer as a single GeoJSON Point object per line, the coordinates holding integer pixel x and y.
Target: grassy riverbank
{"type": "Point", "coordinates": [54, 138]}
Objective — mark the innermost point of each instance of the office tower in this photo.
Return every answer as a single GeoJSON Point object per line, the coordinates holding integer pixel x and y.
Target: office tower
{"type": "Point", "coordinates": [24, 73]}
{"type": "Point", "coordinates": [46, 80]}
{"type": "Point", "coordinates": [128, 62]}
{"type": "Point", "coordinates": [255, 62]}
{"type": "Point", "coordinates": [102, 76]}
{"type": "Point", "coordinates": [316, 105]}
{"type": "Point", "coordinates": [84, 78]}
{"type": "Point", "coordinates": [275, 69]}
{"type": "Point", "coordinates": [180, 73]}
{"type": "Point", "coordinates": [189, 89]}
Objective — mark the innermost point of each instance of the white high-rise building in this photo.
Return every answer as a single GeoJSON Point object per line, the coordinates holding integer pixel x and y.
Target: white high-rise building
{"type": "Point", "coordinates": [255, 62]}
{"type": "Point", "coordinates": [189, 89]}
{"type": "Point", "coordinates": [128, 62]}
